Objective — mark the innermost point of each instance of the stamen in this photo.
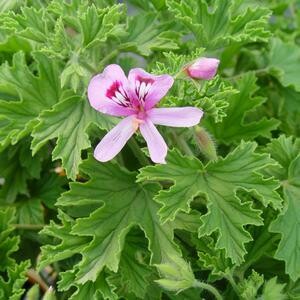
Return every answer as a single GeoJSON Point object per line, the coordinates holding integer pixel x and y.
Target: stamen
{"type": "Point", "coordinates": [120, 96]}
{"type": "Point", "coordinates": [122, 91]}
{"type": "Point", "coordinates": [148, 86]}
{"type": "Point", "coordinates": [116, 100]}
{"type": "Point", "coordinates": [137, 85]}
{"type": "Point", "coordinates": [142, 90]}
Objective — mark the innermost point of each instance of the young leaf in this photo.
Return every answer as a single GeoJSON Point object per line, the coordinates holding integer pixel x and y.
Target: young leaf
{"type": "Point", "coordinates": [99, 24]}
{"type": "Point", "coordinates": [273, 290]}
{"type": "Point", "coordinates": [68, 121]}
{"type": "Point", "coordinates": [8, 245]}
{"type": "Point", "coordinates": [249, 287]}
{"type": "Point", "coordinates": [12, 288]}
{"type": "Point", "coordinates": [31, 23]}
{"type": "Point", "coordinates": [219, 182]}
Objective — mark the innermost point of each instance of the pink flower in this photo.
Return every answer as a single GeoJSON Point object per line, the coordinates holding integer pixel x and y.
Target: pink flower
{"type": "Point", "coordinates": [203, 68]}
{"type": "Point", "coordinates": [135, 97]}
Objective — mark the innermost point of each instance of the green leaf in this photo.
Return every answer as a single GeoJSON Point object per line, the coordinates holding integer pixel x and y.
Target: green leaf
{"type": "Point", "coordinates": [290, 110]}
{"type": "Point", "coordinates": [219, 181]}
{"type": "Point", "coordinates": [8, 5]}
{"type": "Point", "coordinates": [134, 270]}
{"type": "Point", "coordinates": [13, 274]}
{"type": "Point", "coordinates": [17, 166]}
{"type": "Point", "coordinates": [284, 63]}
{"type": "Point", "coordinates": [30, 212]}
{"type": "Point", "coordinates": [48, 189]}
{"type": "Point", "coordinates": [287, 223]}
{"type": "Point", "coordinates": [100, 289]}
{"type": "Point", "coordinates": [236, 126]}
{"type": "Point", "coordinates": [66, 244]}
{"type": "Point", "coordinates": [68, 121]}
{"type": "Point", "coordinates": [222, 23]}
{"type": "Point", "coordinates": [100, 236]}
{"type": "Point", "coordinates": [146, 34]}
{"type": "Point", "coordinates": [273, 290]}
{"type": "Point", "coordinates": [12, 288]}
{"type": "Point", "coordinates": [284, 150]}
{"type": "Point", "coordinates": [36, 94]}
{"type": "Point", "coordinates": [8, 244]}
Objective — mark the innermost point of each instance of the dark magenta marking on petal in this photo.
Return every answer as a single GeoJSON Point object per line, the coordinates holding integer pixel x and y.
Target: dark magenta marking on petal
{"type": "Point", "coordinates": [143, 79]}
{"type": "Point", "coordinates": [112, 90]}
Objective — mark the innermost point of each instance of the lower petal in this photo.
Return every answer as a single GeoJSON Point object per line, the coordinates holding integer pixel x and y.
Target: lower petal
{"type": "Point", "coordinates": [115, 140]}
{"type": "Point", "coordinates": [157, 146]}
{"type": "Point", "coordinates": [175, 116]}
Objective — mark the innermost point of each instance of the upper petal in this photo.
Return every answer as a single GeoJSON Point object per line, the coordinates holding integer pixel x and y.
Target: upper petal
{"type": "Point", "coordinates": [175, 116]}
{"type": "Point", "coordinates": [157, 146]}
{"type": "Point", "coordinates": [115, 140]}
{"type": "Point", "coordinates": [149, 88]}
{"type": "Point", "coordinates": [108, 92]}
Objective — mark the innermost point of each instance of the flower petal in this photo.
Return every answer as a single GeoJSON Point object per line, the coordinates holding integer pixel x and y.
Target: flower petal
{"type": "Point", "coordinates": [157, 146]}
{"type": "Point", "coordinates": [115, 140]}
{"type": "Point", "coordinates": [102, 89]}
{"type": "Point", "coordinates": [175, 116]}
{"type": "Point", "coordinates": [148, 87]}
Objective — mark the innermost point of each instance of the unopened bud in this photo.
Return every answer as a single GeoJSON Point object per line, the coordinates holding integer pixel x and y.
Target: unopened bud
{"type": "Point", "coordinates": [177, 275]}
{"type": "Point", "coordinates": [203, 68]}
{"type": "Point", "coordinates": [205, 143]}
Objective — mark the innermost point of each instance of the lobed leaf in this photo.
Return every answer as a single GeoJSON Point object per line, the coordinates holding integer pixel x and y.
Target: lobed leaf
{"type": "Point", "coordinates": [219, 181]}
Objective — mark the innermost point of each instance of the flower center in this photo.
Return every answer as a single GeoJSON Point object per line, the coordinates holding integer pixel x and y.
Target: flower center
{"type": "Point", "coordinates": [136, 123]}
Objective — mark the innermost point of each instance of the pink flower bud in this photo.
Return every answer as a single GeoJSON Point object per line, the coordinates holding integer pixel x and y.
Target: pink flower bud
{"type": "Point", "coordinates": [203, 68]}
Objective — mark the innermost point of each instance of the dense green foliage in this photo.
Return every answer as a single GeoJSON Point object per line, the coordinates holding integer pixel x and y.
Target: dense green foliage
{"type": "Point", "coordinates": [220, 219]}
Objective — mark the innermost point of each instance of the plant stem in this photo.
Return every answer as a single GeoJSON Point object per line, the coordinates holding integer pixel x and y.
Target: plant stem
{"type": "Point", "coordinates": [34, 277]}
{"type": "Point", "coordinates": [208, 287]}
{"type": "Point", "coordinates": [182, 143]}
{"type": "Point", "coordinates": [107, 58]}
{"type": "Point", "coordinates": [257, 72]}
{"type": "Point", "coordinates": [261, 245]}
{"type": "Point", "coordinates": [232, 282]}
{"type": "Point", "coordinates": [135, 148]}
{"type": "Point", "coordinates": [29, 226]}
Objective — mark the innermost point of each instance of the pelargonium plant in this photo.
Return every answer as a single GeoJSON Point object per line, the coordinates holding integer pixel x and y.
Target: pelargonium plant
{"type": "Point", "coordinates": [149, 149]}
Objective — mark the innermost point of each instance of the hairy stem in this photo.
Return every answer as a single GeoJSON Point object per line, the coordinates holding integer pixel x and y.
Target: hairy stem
{"type": "Point", "coordinates": [29, 226]}
{"type": "Point", "coordinates": [208, 287]}
{"type": "Point", "coordinates": [135, 148]}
